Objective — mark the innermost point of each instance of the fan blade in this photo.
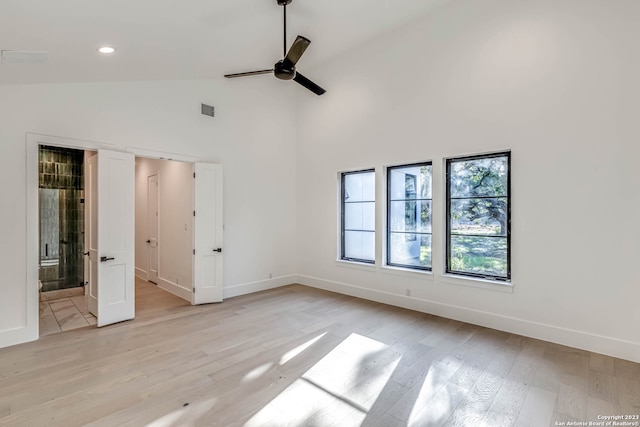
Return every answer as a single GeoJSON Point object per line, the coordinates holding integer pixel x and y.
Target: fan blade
{"type": "Point", "coordinates": [296, 50]}
{"type": "Point", "coordinates": [248, 73]}
{"type": "Point", "coordinates": [299, 78]}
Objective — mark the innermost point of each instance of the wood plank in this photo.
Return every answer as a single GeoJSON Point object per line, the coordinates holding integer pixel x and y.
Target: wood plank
{"type": "Point", "coordinates": [537, 409]}
{"type": "Point", "coordinates": [301, 356]}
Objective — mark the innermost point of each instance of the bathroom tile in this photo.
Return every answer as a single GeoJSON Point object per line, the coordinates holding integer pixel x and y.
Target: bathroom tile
{"type": "Point", "coordinates": [68, 315]}
{"type": "Point", "coordinates": [48, 323]}
{"type": "Point", "coordinates": [81, 304]}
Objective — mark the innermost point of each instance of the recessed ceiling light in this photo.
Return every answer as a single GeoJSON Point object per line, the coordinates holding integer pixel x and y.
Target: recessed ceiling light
{"type": "Point", "coordinates": [106, 49]}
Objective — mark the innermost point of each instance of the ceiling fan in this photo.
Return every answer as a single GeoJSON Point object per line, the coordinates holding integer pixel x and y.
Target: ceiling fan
{"type": "Point", "coordinates": [285, 69]}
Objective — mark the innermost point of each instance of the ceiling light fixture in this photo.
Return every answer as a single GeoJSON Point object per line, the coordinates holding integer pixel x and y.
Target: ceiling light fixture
{"type": "Point", "coordinates": [106, 49]}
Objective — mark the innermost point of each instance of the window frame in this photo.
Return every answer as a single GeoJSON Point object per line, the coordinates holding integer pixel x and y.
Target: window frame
{"type": "Point", "coordinates": [448, 269]}
{"type": "Point", "coordinates": [388, 262]}
{"type": "Point", "coordinates": [342, 218]}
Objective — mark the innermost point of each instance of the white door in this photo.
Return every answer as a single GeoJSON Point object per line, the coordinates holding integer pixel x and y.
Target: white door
{"type": "Point", "coordinates": [91, 231]}
{"type": "Point", "coordinates": [207, 258]}
{"type": "Point", "coordinates": [113, 257]}
{"type": "Point", "coordinates": [152, 221]}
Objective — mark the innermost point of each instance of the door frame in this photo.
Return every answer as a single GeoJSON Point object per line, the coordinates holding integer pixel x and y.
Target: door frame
{"type": "Point", "coordinates": [157, 231]}
{"type": "Point", "coordinates": [31, 330]}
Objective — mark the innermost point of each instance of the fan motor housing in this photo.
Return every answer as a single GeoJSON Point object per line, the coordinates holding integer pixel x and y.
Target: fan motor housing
{"type": "Point", "coordinates": [284, 71]}
{"type": "Point", "coordinates": [284, 2]}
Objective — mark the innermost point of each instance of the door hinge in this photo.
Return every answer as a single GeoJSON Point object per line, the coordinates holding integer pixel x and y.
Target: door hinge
{"type": "Point", "coordinates": [194, 174]}
{"type": "Point", "coordinates": [194, 213]}
{"type": "Point", "coordinates": [194, 251]}
{"type": "Point", "coordinates": [194, 290]}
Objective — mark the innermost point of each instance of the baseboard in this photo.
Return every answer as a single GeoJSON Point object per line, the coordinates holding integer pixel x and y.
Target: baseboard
{"type": "Point", "coordinates": [175, 289]}
{"type": "Point", "coordinates": [578, 339]}
{"type": "Point", "coordinates": [18, 336]}
{"type": "Point", "coordinates": [261, 285]}
{"type": "Point", "coordinates": [142, 273]}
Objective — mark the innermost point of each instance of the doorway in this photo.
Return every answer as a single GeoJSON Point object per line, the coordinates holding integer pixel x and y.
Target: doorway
{"type": "Point", "coordinates": [61, 240]}
{"type": "Point", "coordinates": [61, 214]}
{"type": "Point", "coordinates": [206, 269]}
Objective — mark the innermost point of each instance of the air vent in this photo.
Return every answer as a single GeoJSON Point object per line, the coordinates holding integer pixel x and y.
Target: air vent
{"type": "Point", "coordinates": [24, 57]}
{"type": "Point", "coordinates": [208, 110]}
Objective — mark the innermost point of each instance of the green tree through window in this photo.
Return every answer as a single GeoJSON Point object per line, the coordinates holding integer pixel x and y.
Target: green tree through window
{"type": "Point", "coordinates": [478, 209]}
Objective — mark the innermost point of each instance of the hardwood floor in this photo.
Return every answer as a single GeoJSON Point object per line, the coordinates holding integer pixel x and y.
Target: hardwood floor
{"type": "Point", "coordinates": [297, 356]}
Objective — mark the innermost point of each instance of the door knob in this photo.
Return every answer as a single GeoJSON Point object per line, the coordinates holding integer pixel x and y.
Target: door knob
{"type": "Point", "coordinates": [148, 241]}
{"type": "Point", "coordinates": [105, 259]}
{"type": "Point", "coordinates": [217, 250]}
{"type": "Point", "coordinates": [85, 253]}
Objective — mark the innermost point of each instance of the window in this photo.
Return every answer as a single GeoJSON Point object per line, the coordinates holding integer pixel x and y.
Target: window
{"type": "Point", "coordinates": [409, 216]}
{"type": "Point", "coordinates": [358, 216]}
{"type": "Point", "coordinates": [478, 216]}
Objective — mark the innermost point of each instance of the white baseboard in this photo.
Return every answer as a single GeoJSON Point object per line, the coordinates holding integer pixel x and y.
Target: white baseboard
{"type": "Point", "coordinates": [175, 289]}
{"type": "Point", "coordinates": [578, 339]}
{"type": "Point", "coordinates": [261, 285]}
{"type": "Point", "coordinates": [18, 336]}
{"type": "Point", "coordinates": [142, 273]}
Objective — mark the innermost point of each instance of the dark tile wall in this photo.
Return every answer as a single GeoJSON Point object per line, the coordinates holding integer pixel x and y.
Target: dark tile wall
{"type": "Point", "coordinates": [62, 169]}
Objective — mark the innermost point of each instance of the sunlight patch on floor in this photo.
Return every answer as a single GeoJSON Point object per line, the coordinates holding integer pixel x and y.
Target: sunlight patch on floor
{"type": "Point", "coordinates": [299, 349]}
{"type": "Point", "coordinates": [340, 389]}
{"type": "Point", "coordinates": [256, 372]}
{"type": "Point", "coordinates": [437, 397]}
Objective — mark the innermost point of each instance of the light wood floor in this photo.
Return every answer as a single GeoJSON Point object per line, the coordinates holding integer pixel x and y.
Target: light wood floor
{"type": "Point", "coordinates": [296, 356]}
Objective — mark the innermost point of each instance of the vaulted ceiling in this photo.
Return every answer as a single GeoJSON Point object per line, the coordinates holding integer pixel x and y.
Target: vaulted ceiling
{"type": "Point", "coordinates": [191, 39]}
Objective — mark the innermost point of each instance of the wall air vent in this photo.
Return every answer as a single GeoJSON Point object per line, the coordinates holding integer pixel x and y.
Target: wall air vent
{"type": "Point", "coordinates": [24, 57]}
{"type": "Point", "coordinates": [208, 110]}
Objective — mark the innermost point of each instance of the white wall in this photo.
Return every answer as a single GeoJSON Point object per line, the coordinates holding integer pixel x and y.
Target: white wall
{"type": "Point", "coordinates": [175, 226]}
{"type": "Point", "coordinates": [556, 83]}
{"type": "Point", "coordinates": [259, 162]}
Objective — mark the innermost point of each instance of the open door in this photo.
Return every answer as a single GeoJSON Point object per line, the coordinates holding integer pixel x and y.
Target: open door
{"type": "Point", "coordinates": [207, 257]}
{"type": "Point", "coordinates": [91, 231]}
{"type": "Point", "coordinates": [111, 244]}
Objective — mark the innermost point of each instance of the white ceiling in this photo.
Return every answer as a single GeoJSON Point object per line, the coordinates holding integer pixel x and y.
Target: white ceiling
{"type": "Point", "coordinates": [189, 39]}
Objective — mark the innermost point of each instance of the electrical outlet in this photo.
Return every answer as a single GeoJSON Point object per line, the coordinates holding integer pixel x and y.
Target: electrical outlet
{"type": "Point", "coordinates": [407, 292]}
{"type": "Point", "coordinates": [270, 276]}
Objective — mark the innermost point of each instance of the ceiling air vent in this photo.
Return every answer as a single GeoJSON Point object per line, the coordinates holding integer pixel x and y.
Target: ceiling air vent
{"type": "Point", "coordinates": [24, 57]}
{"type": "Point", "coordinates": [208, 110]}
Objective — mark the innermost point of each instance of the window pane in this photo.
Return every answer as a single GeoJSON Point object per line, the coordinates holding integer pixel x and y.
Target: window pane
{"type": "Point", "coordinates": [479, 255]}
{"type": "Point", "coordinates": [410, 249]}
{"type": "Point", "coordinates": [410, 216]}
{"type": "Point", "coordinates": [412, 182]}
{"type": "Point", "coordinates": [359, 216]}
{"type": "Point", "coordinates": [368, 186]}
{"type": "Point", "coordinates": [359, 245]}
{"type": "Point", "coordinates": [359, 187]}
{"type": "Point", "coordinates": [479, 216]}
{"type": "Point", "coordinates": [479, 177]}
